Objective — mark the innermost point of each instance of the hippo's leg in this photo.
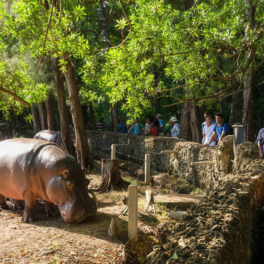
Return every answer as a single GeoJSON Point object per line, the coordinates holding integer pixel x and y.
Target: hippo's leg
{"type": "Point", "coordinates": [51, 209]}
{"type": "Point", "coordinates": [3, 204]}
{"type": "Point", "coordinates": [30, 203]}
{"type": "Point", "coordinates": [18, 204]}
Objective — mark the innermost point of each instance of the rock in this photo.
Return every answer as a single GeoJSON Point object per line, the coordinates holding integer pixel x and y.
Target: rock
{"type": "Point", "coordinates": [177, 214]}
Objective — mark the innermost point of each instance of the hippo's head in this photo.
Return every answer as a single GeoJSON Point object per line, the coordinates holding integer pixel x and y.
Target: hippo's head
{"type": "Point", "coordinates": [71, 196]}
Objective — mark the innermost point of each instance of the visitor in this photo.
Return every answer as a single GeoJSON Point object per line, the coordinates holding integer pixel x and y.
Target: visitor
{"type": "Point", "coordinates": [260, 140]}
{"type": "Point", "coordinates": [129, 128]}
{"type": "Point", "coordinates": [175, 127]}
{"type": "Point", "coordinates": [149, 125]}
{"type": "Point", "coordinates": [208, 130]}
{"type": "Point", "coordinates": [204, 123]}
{"type": "Point", "coordinates": [161, 125]}
{"type": "Point", "coordinates": [221, 129]}
{"type": "Point", "coordinates": [101, 125]}
{"type": "Point", "coordinates": [137, 128]}
{"type": "Point", "coordinates": [155, 128]}
{"type": "Point", "coordinates": [121, 127]}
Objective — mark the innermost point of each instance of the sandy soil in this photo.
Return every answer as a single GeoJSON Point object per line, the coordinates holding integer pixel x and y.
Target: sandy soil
{"type": "Point", "coordinates": [50, 240]}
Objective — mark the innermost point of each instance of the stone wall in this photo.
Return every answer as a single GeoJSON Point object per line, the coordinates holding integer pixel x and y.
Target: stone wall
{"type": "Point", "coordinates": [219, 230]}
{"type": "Point", "coordinates": [186, 152]}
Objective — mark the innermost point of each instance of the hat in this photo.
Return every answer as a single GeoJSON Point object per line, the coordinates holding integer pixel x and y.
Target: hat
{"type": "Point", "coordinates": [158, 115]}
{"type": "Point", "coordinates": [173, 119]}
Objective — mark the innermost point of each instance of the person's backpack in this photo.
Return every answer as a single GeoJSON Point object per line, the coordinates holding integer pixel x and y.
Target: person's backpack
{"type": "Point", "coordinates": [230, 130]}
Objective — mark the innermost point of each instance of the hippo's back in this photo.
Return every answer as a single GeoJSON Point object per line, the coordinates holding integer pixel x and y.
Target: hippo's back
{"type": "Point", "coordinates": [51, 136]}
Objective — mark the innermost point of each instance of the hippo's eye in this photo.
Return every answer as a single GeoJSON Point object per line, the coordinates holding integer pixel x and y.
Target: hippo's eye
{"type": "Point", "coordinates": [70, 186]}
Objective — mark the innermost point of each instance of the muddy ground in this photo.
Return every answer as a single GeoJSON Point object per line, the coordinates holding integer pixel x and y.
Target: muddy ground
{"type": "Point", "coordinates": [50, 240]}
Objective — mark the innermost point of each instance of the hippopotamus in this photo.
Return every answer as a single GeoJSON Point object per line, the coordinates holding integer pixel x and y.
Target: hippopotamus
{"type": "Point", "coordinates": [32, 168]}
{"type": "Point", "coordinates": [51, 136]}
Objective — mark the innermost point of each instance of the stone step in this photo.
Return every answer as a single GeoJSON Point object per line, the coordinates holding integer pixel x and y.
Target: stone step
{"type": "Point", "coordinates": [178, 201]}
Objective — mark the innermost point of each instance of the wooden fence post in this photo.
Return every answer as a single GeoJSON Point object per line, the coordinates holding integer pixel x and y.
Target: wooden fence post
{"type": "Point", "coordinates": [113, 151]}
{"type": "Point", "coordinates": [147, 169]}
{"type": "Point", "coordinates": [132, 212]}
{"type": "Point", "coordinates": [90, 144]}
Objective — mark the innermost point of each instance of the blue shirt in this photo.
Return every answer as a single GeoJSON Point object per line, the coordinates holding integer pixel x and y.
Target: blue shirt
{"type": "Point", "coordinates": [123, 128]}
{"type": "Point", "coordinates": [220, 129]}
{"type": "Point", "coordinates": [161, 123]}
{"type": "Point", "coordinates": [137, 129]}
{"type": "Point", "coordinates": [261, 137]}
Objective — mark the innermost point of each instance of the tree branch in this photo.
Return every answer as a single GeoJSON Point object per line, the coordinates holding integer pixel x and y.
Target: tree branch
{"type": "Point", "coordinates": [128, 33]}
{"type": "Point", "coordinates": [17, 98]}
{"type": "Point", "coordinates": [44, 42]}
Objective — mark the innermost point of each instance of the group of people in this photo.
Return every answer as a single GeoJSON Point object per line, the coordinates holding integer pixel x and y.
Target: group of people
{"type": "Point", "coordinates": [214, 131]}
{"type": "Point", "coordinates": [152, 128]}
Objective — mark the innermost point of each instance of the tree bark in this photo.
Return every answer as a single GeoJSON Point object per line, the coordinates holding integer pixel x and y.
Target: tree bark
{"type": "Point", "coordinates": [85, 116]}
{"type": "Point", "coordinates": [43, 116]}
{"type": "Point", "coordinates": [236, 106]}
{"type": "Point", "coordinates": [36, 122]}
{"type": "Point", "coordinates": [248, 80]}
{"type": "Point", "coordinates": [190, 127]}
{"type": "Point", "coordinates": [185, 125]}
{"type": "Point", "coordinates": [63, 111]}
{"type": "Point", "coordinates": [83, 153]}
{"type": "Point", "coordinates": [52, 125]}
{"type": "Point", "coordinates": [195, 125]}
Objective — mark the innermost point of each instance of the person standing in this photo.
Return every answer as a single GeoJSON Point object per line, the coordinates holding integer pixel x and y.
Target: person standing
{"type": "Point", "coordinates": [100, 125]}
{"type": "Point", "coordinates": [137, 128]}
{"type": "Point", "coordinates": [175, 127]}
{"type": "Point", "coordinates": [161, 125]}
{"type": "Point", "coordinates": [208, 130]}
{"type": "Point", "coordinates": [260, 140]}
{"type": "Point", "coordinates": [121, 127]}
{"type": "Point", "coordinates": [221, 129]}
{"type": "Point", "coordinates": [155, 128]}
{"type": "Point", "coordinates": [149, 124]}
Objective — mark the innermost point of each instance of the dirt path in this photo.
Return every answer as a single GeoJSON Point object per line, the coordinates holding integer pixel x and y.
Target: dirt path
{"type": "Point", "coordinates": [50, 240]}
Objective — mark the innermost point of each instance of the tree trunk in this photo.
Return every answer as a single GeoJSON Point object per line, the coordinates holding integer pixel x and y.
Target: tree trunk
{"type": "Point", "coordinates": [43, 116]}
{"type": "Point", "coordinates": [111, 177]}
{"type": "Point", "coordinates": [156, 83]}
{"type": "Point", "coordinates": [85, 116]}
{"type": "Point", "coordinates": [92, 120]}
{"type": "Point", "coordinates": [115, 117]}
{"type": "Point", "coordinates": [83, 153]}
{"type": "Point", "coordinates": [236, 106]}
{"type": "Point", "coordinates": [185, 125]}
{"type": "Point", "coordinates": [195, 125]}
{"type": "Point", "coordinates": [105, 30]}
{"type": "Point", "coordinates": [52, 125]}
{"type": "Point", "coordinates": [64, 118]}
{"type": "Point", "coordinates": [248, 80]}
{"type": "Point", "coordinates": [190, 127]}
{"type": "Point", "coordinates": [36, 122]}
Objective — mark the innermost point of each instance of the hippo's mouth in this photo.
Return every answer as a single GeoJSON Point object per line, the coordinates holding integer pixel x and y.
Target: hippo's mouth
{"type": "Point", "coordinates": [78, 219]}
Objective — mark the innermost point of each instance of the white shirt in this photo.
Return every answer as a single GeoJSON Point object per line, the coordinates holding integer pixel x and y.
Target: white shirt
{"type": "Point", "coordinates": [208, 131]}
{"type": "Point", "coordinates": [175, 130]}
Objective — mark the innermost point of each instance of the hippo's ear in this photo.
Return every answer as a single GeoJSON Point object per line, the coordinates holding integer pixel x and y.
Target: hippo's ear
{"type": "Point", "coordinates": [86, 182]}
{"type": "Point", "coordinates": [66, 174]}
